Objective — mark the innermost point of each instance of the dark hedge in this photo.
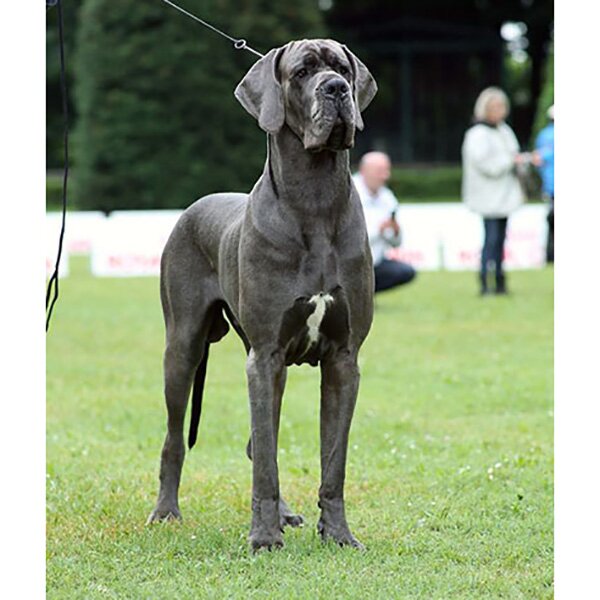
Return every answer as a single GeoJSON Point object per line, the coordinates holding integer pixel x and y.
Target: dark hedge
{"type": "Point", "coordinates": [158, 123]}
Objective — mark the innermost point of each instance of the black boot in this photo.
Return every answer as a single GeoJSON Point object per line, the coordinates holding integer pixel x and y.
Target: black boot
{"type": "Point", "coordinates": [483, 289]}
{"type": "Point", "coordinates": [501, 284]}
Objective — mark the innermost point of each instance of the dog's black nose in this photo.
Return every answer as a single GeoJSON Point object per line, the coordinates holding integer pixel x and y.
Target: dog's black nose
{"type": "Point", "coordinates": [335, 87]}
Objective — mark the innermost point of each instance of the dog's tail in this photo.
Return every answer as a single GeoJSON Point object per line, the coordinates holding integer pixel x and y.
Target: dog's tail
{"type": "Point", "coordinates": [197, 392]}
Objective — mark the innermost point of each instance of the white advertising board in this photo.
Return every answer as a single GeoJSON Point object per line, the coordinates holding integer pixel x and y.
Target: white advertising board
{"type": "Point", "coordinates": [51, 256]}
{"type": "Point", "coordinates": [525, 246]}
{"type": "Point", "coordinates": [81, 229]}
{"type": "Point", "coordinates": [421, 243]}
{"type": "Point", "coordinates": [51, 242]}
{"type": "Point", "coordinates": [131, 243]}
{"type": "Point", "coordinates": [462, 238]}
{"type": "Point", "coordinates": [450, 236]}
{"type": "Point", "coordinates": [435, 236]}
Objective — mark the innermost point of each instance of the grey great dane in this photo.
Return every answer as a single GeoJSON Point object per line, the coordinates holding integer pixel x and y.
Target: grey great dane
{"type": "Point", "coordinates": [289, 266]}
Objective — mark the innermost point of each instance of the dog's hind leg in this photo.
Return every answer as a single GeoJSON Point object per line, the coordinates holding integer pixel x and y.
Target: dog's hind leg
{"type": "Point", "coordinates": [180, 362]}
{"type": "Point", "coordinates": [286, 516]}
{"type": "Point", "coordinates": [192, 321]}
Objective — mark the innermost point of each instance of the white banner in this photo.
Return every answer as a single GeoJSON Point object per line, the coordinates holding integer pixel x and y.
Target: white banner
{"type": "Point", "coordinates": [462, 238]}
{"type": "Point", "coordinates": [435, 236]}
{"type": "Point", "coordinates": [51, 256]}
{"type": "Point", "coordinates": [420, 234]}
{"type": "Point", "coordinates": [51, 241]}
{"type": "Point", "coordinates": [132, 242]}
{"type": "Point", "coordinates": [81, 229]}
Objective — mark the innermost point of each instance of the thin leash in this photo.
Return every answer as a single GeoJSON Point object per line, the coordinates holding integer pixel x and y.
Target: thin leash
{"type": "Point", "coordinates": [238, 44]}
{"type": "Point", "coordinates": [53, 282]}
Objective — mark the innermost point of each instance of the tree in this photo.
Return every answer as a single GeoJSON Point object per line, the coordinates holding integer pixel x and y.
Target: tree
{"type": "Point", "coordinates": [546, 97]}
{"type": "Point", "coordinates": [158, 123]}
{"type": "Point", "coordinates": [430, 59]}
{"type": "Point", "coordinates": [54, 114]}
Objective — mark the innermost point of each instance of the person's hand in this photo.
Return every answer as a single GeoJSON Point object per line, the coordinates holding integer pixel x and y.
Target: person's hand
{"type": "Point", "coordinates": [536, 159]}
{"type": "Point", "coordinates": [390, 223]}
{"type": "Point", "coordinates": [523, 158]}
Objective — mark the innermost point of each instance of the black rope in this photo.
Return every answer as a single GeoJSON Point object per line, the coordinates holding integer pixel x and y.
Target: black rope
{"type": "Point", "coordinates": [239, 44]}
{"type": "Point", "coordinates": [53, 283]}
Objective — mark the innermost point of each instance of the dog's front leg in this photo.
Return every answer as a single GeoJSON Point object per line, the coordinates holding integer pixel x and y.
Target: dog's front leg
{"type": "Point", "coordinates": [339, 388]}
{"type": "Point", "coordinates": [286, 515]}
{"type": "Point", "coordinates": [263, 370]}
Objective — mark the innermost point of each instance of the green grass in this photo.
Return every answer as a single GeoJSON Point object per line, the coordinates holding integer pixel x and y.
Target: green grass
{"type": "Point", "coordinates": [450, 466]}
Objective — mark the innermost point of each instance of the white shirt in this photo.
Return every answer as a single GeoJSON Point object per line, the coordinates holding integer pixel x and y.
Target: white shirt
{"type": "Point", "coordinates": [378, 207]}
{"type": "Point", "coordinates": [489, 185]}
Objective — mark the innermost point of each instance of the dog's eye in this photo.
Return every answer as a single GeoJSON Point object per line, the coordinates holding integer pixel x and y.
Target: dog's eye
{"type": "Point", "coordinates": [344, 71]}
{"type": "Point", "coordinates": [301, 73]}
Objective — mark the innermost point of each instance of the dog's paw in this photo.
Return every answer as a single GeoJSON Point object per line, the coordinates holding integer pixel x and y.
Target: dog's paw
{"type": "Point", "coordinates": [287, 517]}
{"type": "Point", "coordinates": [159, 515]}
{"type": "Point", "coordinates": [260, 540]}
{"type": "Point", "coordinates": [291, 520]}
{"type": "Point", "coordinates": [340, 535]}
{"type": "Point", "coordinates": [266, 528]}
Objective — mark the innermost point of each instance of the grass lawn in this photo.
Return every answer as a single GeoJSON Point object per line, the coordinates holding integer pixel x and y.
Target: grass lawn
{"type": "Point", "coordinates": [450, 468]}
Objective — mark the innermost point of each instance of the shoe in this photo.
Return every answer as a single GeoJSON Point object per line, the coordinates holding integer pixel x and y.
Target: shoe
{"type": "Point", "coordinates": [483, 289]}
{"type": "Point", "coordinates": [501, 286]}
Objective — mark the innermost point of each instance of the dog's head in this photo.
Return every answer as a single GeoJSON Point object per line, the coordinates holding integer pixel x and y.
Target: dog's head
{"type": "Point", "coordinates": [317, 87]}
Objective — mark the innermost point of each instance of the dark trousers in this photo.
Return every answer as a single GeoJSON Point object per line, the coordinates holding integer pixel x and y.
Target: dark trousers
{"type": "Point", "coordinates": [550, 242]}
{"type": "Point", "coordinates": [391, 273]}
{"type": "Point", "coordinates": [493, 246]}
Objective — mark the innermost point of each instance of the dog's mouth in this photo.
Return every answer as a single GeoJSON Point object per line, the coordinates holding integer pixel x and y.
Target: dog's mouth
{"type": "Point", "coordinates": [337, 137]}
{"type": "Point", "coordinates": [333, 132]}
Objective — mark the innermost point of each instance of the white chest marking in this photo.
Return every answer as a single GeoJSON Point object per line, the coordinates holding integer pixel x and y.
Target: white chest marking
{"type": "Point", "coordinates": [321, 301]}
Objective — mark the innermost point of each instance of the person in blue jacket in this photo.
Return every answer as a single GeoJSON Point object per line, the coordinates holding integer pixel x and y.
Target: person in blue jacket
{"type": "Point", "coordinates": [544, 160]}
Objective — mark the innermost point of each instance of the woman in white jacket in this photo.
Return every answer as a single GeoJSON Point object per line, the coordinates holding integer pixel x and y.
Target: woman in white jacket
{"type": "Point", "coordinates": [490, 187]}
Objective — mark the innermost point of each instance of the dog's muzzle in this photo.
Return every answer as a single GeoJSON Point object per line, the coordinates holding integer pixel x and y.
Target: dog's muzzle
{"type": "Point", "coordinates": [333, 125]}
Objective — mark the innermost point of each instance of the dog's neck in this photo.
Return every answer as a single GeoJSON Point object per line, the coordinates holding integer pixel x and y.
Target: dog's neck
{"type": "Point", "coordinates": [311, 182]}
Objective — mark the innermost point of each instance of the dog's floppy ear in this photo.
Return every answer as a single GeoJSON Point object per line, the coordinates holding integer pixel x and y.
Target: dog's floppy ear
{"type": "Point", "coordinates": [365, 87]}
{"type": "Point", "coordinates": [260, 92]}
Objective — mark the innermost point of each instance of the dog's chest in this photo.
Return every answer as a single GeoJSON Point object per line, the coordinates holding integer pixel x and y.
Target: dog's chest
{"type": "Point", "coordinates": [315, 326]}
